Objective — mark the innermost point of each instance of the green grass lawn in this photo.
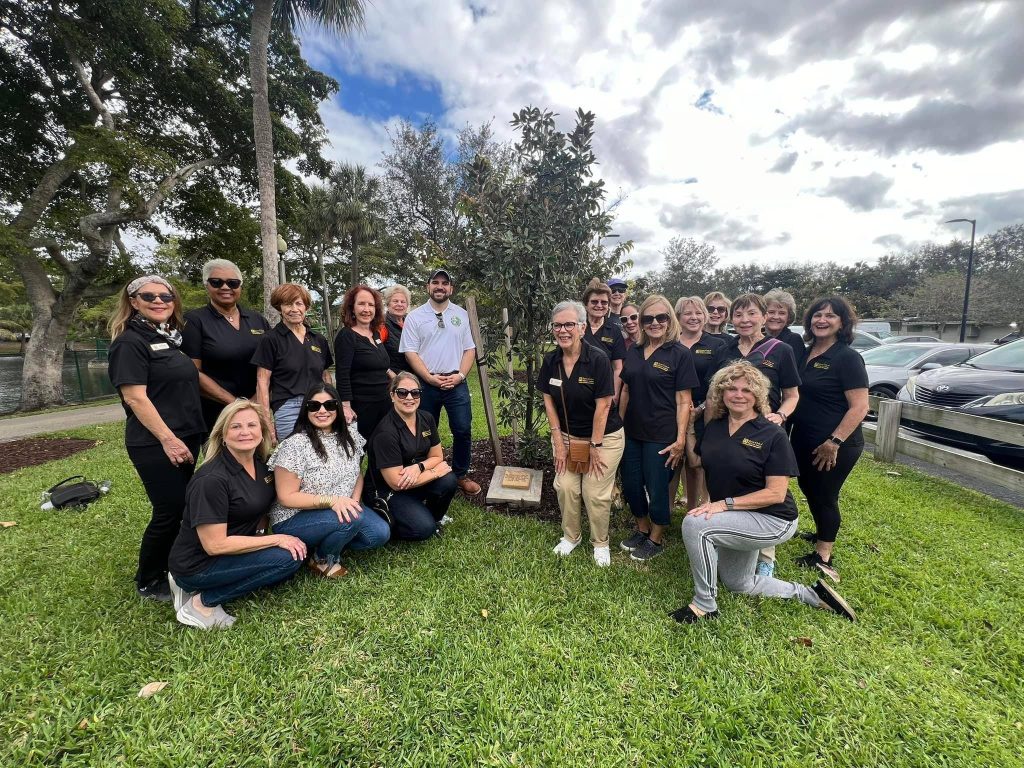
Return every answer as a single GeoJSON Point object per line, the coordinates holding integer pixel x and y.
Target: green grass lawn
{"type": "Point", "coordinates": [483, 649]}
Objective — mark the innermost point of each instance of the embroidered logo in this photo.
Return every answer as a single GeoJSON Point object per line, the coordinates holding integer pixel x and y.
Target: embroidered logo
{"type": "Point", "coordinates": [256, 331]}
{"type": "Point", "coordinates": [268, 479]}
{"type": "Point", "coordinates": [701, 351]}
{"type": "Point", "coordinates": [585, 380]}
{"type": "Point", "coordinates": [314, 347]}
{"type": "Point", "coordinates": [822, 366]}
{"type": "Point", "coordinates": [661, 367]}
{"type": "Point", "coordinates": [456, 321]}
{"type": "Point", "coordinates": [607, 340]}
{"type": "Point", "coordinates": [752, 443]}
{"type": "Point", "coordinates": [766, 363]}
{"type": "Point", "coordinates": [425, 433]}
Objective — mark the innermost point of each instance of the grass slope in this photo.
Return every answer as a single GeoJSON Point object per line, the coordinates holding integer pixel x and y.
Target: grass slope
{"type": "Point", "coordinates": [483, 649]}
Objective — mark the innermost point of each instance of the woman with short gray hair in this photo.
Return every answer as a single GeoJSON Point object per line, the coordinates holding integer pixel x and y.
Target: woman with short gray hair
{"type": "Point", "coordinates": [221, 339]}
{"type": "Point", "coordinates": [779, 315]}
{"type": "Point", "coordinates": [397, 299]}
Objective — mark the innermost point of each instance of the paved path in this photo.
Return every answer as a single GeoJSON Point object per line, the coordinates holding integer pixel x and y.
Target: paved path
{"type": "Point", "coordinates": [58, 421]}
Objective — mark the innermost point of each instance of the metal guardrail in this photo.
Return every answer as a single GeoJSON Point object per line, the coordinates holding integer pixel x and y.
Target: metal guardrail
{"type": "Point", "coordinates": [889, 444]}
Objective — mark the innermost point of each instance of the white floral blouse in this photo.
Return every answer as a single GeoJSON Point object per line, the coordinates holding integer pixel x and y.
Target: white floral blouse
{"type": "Point", "coordinates": [335, 477]}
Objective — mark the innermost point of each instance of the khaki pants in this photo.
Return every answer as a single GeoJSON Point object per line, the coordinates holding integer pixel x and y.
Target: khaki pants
{"type": "Point", "coordinates": [572, 488]}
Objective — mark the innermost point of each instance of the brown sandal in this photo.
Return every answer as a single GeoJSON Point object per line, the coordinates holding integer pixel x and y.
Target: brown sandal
{"type": "Point", "coordinates": [328, 570]}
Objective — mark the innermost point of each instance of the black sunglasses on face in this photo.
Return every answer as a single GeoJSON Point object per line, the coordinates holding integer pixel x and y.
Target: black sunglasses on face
{"type": "Point", "coordinates": [630, 318]}
{"type": "Point", "coordinates": [404, 394]}
{"type": "Point", "coordinates": [717, 310]}
{"type": "Point", "coordinates": [315, 405]}
{"type": "Point", "coordinates": [149, 298]}
{"type": "Point", "coordinates": [618, 289]}
{"type": "Point", "coordinates": [597, 303]}
{"type": "Point", "coordinates": [217, 282]}
{"type": "Point", "coordinates": [660, 319]}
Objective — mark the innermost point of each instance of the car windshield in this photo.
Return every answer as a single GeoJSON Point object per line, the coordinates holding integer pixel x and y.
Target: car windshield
{"type": "Point", "coordinates": [896, 355]}
{"type": "Point", "coordinates": [1006, 358]}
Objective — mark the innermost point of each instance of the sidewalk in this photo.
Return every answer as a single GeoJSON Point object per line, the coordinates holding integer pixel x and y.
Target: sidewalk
{"type": "Point", "coordinates": [58, 421]}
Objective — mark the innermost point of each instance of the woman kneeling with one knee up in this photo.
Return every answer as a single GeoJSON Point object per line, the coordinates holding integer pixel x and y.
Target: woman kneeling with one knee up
{"type": "Point", "coordinates": [407, 466]}
{"type": "Point", "coordinates": [220, 553]}
{"type": "Point", "coordinates": [748, 462]}
{"type": "Point", "coordinates": [319, 485]}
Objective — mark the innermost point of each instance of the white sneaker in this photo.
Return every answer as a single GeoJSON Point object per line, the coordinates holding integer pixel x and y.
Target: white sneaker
{"type": "Point", "coordinates": [445, 520]}
{"type": "Point", "coordinates": [565, 547]}
{"type": "Point", "coordinates": [602, 556]}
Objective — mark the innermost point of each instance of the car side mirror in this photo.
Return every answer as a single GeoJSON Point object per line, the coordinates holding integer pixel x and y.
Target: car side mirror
{"type": "Point", "coordinates": [931, 366]}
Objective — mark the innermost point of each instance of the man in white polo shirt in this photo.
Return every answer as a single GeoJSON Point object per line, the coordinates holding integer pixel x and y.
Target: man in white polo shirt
{"type": "Point", "coordinates": [439, 348]}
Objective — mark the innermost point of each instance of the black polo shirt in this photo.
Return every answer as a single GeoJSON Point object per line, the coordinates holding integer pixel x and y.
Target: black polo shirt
{"type": "Point", "coordinates": [704, 352]}
{"type": "Point", "coordinates": [778, 366]}
{"type": "Point", "coordinates": [140, 355]}
{"type": "Point", "coordinates": [392, 342]}
{"type": "Point", "coordinates": [738, 464]}
{"type": "Point", "coordinates": [653, 383]}
{"type": "Point", "coordinates": [224, 352]}
{"type": "Point", "coordinates": [294, 367]}
{"type": "Point", "coordinates": [823, 404]}
{"type": "Point", "coordinates": [608, 336]}
{"type": "Point", "coordinates": [589, 379]}
{"type": "Point", "coordinates": [797, 343]}
{"type": "Point", "coordinates": [393, 445]}
{"type": "Point", "coordinates": [221, 491]}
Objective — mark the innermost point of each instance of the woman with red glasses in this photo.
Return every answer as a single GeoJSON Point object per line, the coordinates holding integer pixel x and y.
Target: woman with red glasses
{"type": "Point", "coordinates": [407, 467]}
{"type": "Point", "coordinates": [159, 389]}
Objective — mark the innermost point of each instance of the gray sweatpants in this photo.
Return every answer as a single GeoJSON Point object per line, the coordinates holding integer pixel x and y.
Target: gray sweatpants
{"type": "Point", "coordinates": [727, 546]}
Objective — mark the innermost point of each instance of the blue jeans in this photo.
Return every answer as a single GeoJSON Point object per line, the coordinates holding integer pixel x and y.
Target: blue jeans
{"type": "Point", "coordinates": [415, 512]}
{"type": "Point", "coordinates": [325, 536]}
{"type": "Point", "coordinates": [232, 576]}
{"type": "Point", "coordinates": [286, 416]}
{"type": "Point", "coordinates": [459, 406]}
{"type": "Point", "coordinates": [645, 480]}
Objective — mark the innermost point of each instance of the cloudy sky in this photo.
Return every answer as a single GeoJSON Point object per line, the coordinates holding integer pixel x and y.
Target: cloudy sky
{"type": "Point", "coordinates": [789, 130]}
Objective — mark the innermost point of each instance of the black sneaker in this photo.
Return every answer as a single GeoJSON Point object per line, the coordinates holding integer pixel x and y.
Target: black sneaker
{"type": "Point", "coordinates": [685, 615]}
{"type": "Point", "coordinates": [647, 550]}
{"type": "Point", "coordinates": [158, 590]}
{"type": "Point", "coordinates": [634, 541]}
{"type": "Point", "coordinates": [808, 536]}
{"type": "Point", "coordinates": [813, 560]}
{"type": "Point", "coordinates": [832, 599]}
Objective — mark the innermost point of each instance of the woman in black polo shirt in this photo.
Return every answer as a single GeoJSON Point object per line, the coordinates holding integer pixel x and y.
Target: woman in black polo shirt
{"type": "Point", "coordinates": [159, 389]}
{"type": "Point", "coordinates": [600, 331]}
{"type": "Point", "coordinates": [630, 321]}
{"type": "Point", "coordinates": [396, 306]}
{"type": "Point", "coordinates": [780, 313]}
{"type": "Point", "coordinates": [655, 404]}
{"type": "Point", "coordinates": [289, 359]}
{"type": "Point", "coordinates": [827, 435]}
{"type": "Point", "coordinates": [220, 552]}
{"type": "Point", "coordinates": [577, 383]}
{"type": "Point", "coordinates": [407, 465]}
{"type": "Point", "coordinates": [221, 339]}
{"type": "Point", "coordinates": [362, 364]}
{"type": "Point", "coordinates": [748, 462]}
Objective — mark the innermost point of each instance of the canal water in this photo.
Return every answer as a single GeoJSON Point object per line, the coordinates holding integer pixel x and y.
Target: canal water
{"type": "Point", "coordinates": [94, 380]}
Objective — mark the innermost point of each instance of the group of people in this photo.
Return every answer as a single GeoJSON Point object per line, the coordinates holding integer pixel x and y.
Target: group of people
{"type": "Point", "coordinates": [281, 482]}
{"type": "Point", "coordinates": [656, 393]}
{"type": "Point", "coordinates": [653, 394]}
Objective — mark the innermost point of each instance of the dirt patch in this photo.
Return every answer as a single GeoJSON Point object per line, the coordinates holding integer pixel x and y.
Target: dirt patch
{"type": "Point", "coordinates": [33, 451]}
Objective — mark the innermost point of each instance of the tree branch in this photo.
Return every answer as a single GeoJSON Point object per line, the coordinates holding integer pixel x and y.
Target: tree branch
{"type": "Point", "coordinates": [86, 83]}
{"type": "Point", "coordinates": [54, 250]}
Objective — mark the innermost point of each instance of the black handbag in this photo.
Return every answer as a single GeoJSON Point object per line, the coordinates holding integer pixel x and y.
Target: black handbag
{"type": "Point", "coordinates": [73, 494]}
{"type": "Point", "coordinates": [379, 504]}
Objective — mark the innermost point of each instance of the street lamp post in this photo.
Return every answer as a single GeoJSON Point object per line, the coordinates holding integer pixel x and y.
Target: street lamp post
{"type": "Point", "coordinates": [970, 268]}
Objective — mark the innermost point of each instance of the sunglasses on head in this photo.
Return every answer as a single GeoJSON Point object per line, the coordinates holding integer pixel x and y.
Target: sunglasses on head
{"type": "Point", "coordinates": [404, 394]}
{"type": "Point", "coordinates": [660, 319]}
{"type": "Point", "coordinates": [630, 318]}
{"type": "Point", "coordinates": [218, 282]}
{"type": "Point", "coordinates": [149, 298]}
{"type": "Point", "coordinates": [315, 405]}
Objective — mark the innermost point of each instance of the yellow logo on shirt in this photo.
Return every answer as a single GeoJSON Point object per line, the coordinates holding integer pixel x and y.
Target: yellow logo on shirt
{"type": "Point", "coordinates": [256, 331]}
{"type": "Point", "coordinates": [767, 363]}
{"type": "Point", "coordinates": [425, 434]}
{"type": "Point", "coordinates": [268, 479]}
{"type": "Point", "coordinates": [752, 443]}
{"type": "Point", "coordinates": [822, 366]}
{"type": "Point", "coordinates": [661, 367]}
{"type": "Point", "coordinates": [585, 380]}
{"type": "Point", "coordinates": [607, 339]}
{"type": "Point", "coordinates": [701, 351]}
{"type": "Point", "coordinates": [314, 347]}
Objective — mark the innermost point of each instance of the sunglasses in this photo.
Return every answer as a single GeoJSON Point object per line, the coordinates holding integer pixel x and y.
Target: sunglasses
{"type": "Point", "coordinates": [440, 319]}
{"type": "Point", "coordinates": [563, 326]}
{"type": "Point", "coordinates": [618, 289]}
{"type": "Point", "coordinates": [315, 405]}
{"type": "Point", "coordinates": [597, 303]}
{"type": "Point", "coordinates": [718, 310]}
{"type": "Point", "coordinates": [630, 318]}
{"type": "Point", "coordinates": [404, 394]}
{"type": "Point", "coordinates": [149, 298]}
{"type": "Point", "coordinates": [660, 319]}
{"type": "Point", "coordinates": [217, 282]}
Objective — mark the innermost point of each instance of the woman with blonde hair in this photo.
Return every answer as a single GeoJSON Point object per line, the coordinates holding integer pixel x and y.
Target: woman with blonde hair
{"type": "Point", "coordinates": [221, 552]}
{"type": "Point", "coordinates": [159, 389]}
{"type": "Point", "coordinates": [397, 300]}
{"type": "Point", "coordinates": [780, 313]}
{"type": "Point", "coordinates": [718, 306]}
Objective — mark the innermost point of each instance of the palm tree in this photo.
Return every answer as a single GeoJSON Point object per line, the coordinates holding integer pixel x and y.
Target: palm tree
{"type": "Point", "coordinates": [319, 228]}
{"type": "Point", "coordinates": [336, 15]}
{"type": "Point", "coordinates": [360, 210]}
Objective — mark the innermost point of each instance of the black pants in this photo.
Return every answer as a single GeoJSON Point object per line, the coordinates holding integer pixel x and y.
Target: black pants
{"type": "Point", "coordinates": [369, 414]}
{"type": "Point", "coordinates": [822, 488]}
{"type": "Point", "coordinates": [165, 486]}
{"type": "Point", "coordinates": [415, 512]}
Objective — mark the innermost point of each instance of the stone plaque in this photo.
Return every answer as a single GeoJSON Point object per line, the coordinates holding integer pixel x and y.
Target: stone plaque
{"type": "Point", "coordinates": [499, 491]}
{"type": "Point", "coordinates": [516, 478]}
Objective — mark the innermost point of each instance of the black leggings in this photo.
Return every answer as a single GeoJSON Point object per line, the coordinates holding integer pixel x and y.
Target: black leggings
{"type": "Point", "coordinates": [165, 486]}
{"type": "Point", "coordinates": [822, 488]}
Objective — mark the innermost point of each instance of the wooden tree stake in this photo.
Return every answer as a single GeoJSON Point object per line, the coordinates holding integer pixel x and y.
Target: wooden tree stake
{"type": "Point", "coordinates": [485, 383]}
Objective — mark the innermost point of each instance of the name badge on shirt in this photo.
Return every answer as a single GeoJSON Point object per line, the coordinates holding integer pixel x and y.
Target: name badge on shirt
{"type": "Point", "coordinates": [752, 443]}
{"type": "Point", "coordinates": [585, 380]}
{"type": "Point", "coordinates": [822, 366]}
{"type": "Point", "coordinates": [555, 382]}
{"type": "Point", "coordinates": [661, 367]}
{"type": "Point", "coordinates": [161, 345]}
{"type": "Point", "coordinates": [314, 347]}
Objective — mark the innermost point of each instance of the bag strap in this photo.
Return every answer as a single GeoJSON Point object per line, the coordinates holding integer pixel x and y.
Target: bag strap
{"type": "Point", "coordinates": [67, 480]}
{"type": "Point", "coordinates": [767, 348]}
{"type": "Point", "coordinates": [561, 391]}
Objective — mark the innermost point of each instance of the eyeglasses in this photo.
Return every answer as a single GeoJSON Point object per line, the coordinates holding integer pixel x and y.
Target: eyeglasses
{"type": "Point", "coordinates": [218, 282]}
{"type": "Point", "coordinates": [598, 303]}
{"type": "Point", "coordinates": [618, 289]}
{"type": "Point", "coordinates": [563, 326]}
{"type": "Point", "coordinates": [718, 310]}
{"type": "Point", "coordinates": [404, 394]}
{"type": "Point", "coordinates": [315, 405]}
{"type": "Point", "coordinates": [630, 318]}
{"type": "Point", "coordinates": [149, 298]}
{"type": "Point", "coordinates": [660, 319]}
{"type": "Point", "coordinates": [440, 319]}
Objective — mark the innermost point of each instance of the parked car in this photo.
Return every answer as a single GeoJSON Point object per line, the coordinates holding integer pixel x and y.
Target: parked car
{"type": "Point", "coordinates": [989, 385]}
{"type": "Point", "coordinates": [861, 339]}
{"type": "Point", "coordinates": [890, 365]}
{"type": "Point", "coordinates": [907, 339]}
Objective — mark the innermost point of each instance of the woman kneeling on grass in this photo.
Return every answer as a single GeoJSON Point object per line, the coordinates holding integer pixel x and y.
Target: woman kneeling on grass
{"type": "Point", "coordinates": [319, 485]}
{"type": "Point", "coordinates": [220, 553]}
{"type": "Point", "coordinates": [748, 462]}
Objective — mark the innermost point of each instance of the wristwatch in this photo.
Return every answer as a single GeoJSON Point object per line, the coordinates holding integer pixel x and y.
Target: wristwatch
{"type": "Point", "coordinates": [730, 502]}
{"type": "Point", "coordinates": [420, 465]}
{"type": "Point", "coordinates": [835, 439]}
{"type": "Point", "coordinates": [597, 445]}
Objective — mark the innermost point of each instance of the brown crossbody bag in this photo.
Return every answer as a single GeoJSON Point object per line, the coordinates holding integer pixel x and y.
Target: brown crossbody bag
{"type": "Point", "coordinates": [578, 460]}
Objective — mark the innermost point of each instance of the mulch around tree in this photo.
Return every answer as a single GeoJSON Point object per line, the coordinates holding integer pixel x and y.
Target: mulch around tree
{"type": "Point", "coordinates": [33, 451]}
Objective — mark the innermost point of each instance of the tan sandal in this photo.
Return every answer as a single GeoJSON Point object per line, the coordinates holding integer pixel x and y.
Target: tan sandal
{"type": "Point", "coordinates": [328, 570]}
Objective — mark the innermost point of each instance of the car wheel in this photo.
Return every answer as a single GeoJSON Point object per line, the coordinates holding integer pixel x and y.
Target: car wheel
{"type": "Point", "coordinates": [882, 393]}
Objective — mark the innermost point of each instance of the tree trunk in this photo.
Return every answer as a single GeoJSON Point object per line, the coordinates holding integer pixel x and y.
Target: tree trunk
{"type": "Point", "coordinates": [328, 320]}
{"type": "Point", "coordinates": [263, 139]}
{"type": "Point", "coordinates": [354, 275]}
{"type": "Point", "coordinates": [41, 379]}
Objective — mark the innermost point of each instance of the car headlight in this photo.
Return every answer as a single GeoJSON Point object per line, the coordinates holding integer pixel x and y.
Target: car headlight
{"type": "Point", "coordinates": [1005, 398]}
{"type": "Point", "coordinates": [912, 387]}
